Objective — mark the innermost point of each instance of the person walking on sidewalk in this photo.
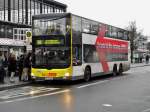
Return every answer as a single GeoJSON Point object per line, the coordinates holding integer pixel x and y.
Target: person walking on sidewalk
{"type": "Point", "coordinates": [20, 66]}
{"type": "Point", "coordinates": [26, 67]}
{"type": "Point", "coordinates": [5, 63]}
{"type": "Point", "coordinates": [2, 71]}
{"type": "Point", "coordinates": [12, 67]}
{"type": "Point", "coordinates": [147, 59]}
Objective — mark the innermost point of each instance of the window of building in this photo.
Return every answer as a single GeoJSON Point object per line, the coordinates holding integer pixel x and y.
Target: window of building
{"type": "Point", "coordinates": [20, 11]}
{"type": "Point", "coordinates": [23, 12]}
{"type": "Point", "coordinates": [1, 9]}
{"type": "Point", "coordinates": [22, 37]}
{"type": "Point", "coordinates": [29, 12]}
{"type": "Point", "coordinates": [6, 10]}
{"type": "Point", "coordinates": [45, 9]}
{"type": "Point", "coordinates": [32, 8]}
{"type": "Point", "coordinates": [51, 9]}
{"type": "Point", "coordinates": [9, 32]}
{"type": "Point", "coordinates": [2, 31]}
{"type": "Point", "coordinates": [15, 37]}
{"type": "Point", "coordinates": [36, 7]}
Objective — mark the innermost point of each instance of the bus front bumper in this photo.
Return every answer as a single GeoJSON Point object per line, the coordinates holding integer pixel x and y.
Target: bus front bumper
{"type": "Point", "coordinates": [51, 78]}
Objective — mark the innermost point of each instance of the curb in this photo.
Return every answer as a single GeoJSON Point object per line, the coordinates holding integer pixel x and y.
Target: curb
{"type": "Point", "coordinates": [140, 65]}
{"type": "Point", "coordinates": [14, 86]}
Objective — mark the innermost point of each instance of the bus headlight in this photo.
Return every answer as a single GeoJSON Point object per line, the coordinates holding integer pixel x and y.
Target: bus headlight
{"type": "Point", "coordinates": [67, 74]}
{"type": "Point", "coordinates": [32, 74]}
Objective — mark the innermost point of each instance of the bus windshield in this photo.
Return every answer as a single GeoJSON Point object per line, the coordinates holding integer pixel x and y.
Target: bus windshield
{"type": "Point", "coordinates": [52, 56]}
{"type": "Point", "coordinates": [54, 26]}
{"type": "Point", "coordinates": [51, 42]}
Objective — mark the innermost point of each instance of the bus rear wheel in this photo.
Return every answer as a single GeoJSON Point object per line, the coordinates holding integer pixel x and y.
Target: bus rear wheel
{"type": "Point", "coordinates": [87, 74]}
{"type": "Point", "coordinates": [115, 70]}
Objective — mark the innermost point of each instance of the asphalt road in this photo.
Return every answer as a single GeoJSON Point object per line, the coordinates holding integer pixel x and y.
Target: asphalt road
{"type": "Point", "coordinates": [127, 93]}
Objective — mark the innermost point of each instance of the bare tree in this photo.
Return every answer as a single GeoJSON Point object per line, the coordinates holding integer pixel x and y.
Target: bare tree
{"type": "Point", "coordinates": [135, 37]}
{"type": "Point", "coordinates": [132, 36]}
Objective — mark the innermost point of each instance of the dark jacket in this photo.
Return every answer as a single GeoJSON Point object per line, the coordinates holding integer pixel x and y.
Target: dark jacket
{"type": "Point", "coordinates": [5, 63]}
{"type": "Point", "coordinates": [147, 57]}
{"type": "Point", "coordinates": [20, 62]}
{"type": "Point", "coordinates": [2, 74]}
{"type": "Point", "coordinates": [27, 62]}
{"type": "Point", "coordinates": [12, 65]}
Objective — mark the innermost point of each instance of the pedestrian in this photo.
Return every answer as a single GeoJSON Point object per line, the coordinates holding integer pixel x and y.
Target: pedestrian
{"type": "Point", "coordinates": [12, 66]}
{"type": "Point", "coordinates": [26, 67]}
{"type": "Point", "coordinates": [2, 71]}
{"type": "Point", "coordinates": [5, 63]}
{"type": "Point", "coordinates": [141, 58]}
{"type": "Point", "coordinates": [147, 59]}
{"type": "Point", "coordinates": [20, 66]}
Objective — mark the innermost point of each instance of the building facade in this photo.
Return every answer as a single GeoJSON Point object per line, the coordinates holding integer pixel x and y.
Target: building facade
{"type": "Point", "coordinates": [141, 51]}
{"type": "Point", "coordinates": [16, 18]}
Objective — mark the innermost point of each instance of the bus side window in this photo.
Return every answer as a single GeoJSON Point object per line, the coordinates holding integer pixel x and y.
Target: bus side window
{"type": "Point", "coordinates": [77, 60]}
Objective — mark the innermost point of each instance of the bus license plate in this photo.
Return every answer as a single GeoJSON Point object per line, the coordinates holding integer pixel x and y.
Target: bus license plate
{"type": "Point", "coordinates": [51, 75]}
{"type": "Point", "coordinates": [48, 78]}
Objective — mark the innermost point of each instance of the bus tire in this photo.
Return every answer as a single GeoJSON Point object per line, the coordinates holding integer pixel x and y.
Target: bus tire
{"type": "Point", "coordinates": [120, 71]}
{"type": "Point", "coordinates": [115, 70]}
{"type": "Point", "coordinates": [87, 74]}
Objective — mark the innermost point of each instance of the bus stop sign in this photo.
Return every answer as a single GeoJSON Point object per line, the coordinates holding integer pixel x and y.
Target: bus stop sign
{"type": "Point", "coordinates": [28, 34]}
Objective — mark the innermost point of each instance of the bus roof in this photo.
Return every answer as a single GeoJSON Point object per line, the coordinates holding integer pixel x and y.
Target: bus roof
{"type": "Point", "coordinates": [60, 15]}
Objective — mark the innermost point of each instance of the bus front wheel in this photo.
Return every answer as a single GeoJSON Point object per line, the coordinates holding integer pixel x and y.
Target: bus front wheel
{"type": "Point", "coordinates": [87, 74]}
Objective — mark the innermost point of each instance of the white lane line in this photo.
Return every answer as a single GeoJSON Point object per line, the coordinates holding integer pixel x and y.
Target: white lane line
{"type": "Point", "coordinates": [33, 97]}
{"type": "Point", "coordinates": [92, 84]}
{"type": "Point", "coordinates": [107, 105]}
{"type": "Point", "coordinates": [147, 110]}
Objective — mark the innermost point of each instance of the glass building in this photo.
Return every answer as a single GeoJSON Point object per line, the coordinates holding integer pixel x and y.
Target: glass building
{"type": "Point", "coordinates": [16, 16]}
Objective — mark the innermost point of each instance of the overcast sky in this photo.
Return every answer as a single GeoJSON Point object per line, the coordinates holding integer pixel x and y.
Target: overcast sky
{"type": "Point", "coordinates": [114, 12]}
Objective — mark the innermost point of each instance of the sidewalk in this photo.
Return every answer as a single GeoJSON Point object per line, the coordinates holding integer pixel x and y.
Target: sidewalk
{"type": "Point", "coordinates": [9, 85]}
{"type": "Point", "coordinates": [133, 65]}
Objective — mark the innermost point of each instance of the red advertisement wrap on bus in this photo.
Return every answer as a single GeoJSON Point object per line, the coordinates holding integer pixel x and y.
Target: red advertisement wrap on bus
{"type": "Point", "coordinates": [106, 45]}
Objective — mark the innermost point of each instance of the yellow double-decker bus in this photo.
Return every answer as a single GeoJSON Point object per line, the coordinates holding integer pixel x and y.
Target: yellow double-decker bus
{"type": "Point", "coordinates": [70, 47]}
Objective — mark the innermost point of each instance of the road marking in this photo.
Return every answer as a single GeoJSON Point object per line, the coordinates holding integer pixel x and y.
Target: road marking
{"type": "Point", "coordinates": [107, 105]}
{"type": "Point", "coordinates": [92, 84]}
{"type": "Point", "coordinates": [25, 91]}
{"type": "Point", "coordinates": [33, 97]}
{"type": "Point", "coordinates": [147, 110]}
